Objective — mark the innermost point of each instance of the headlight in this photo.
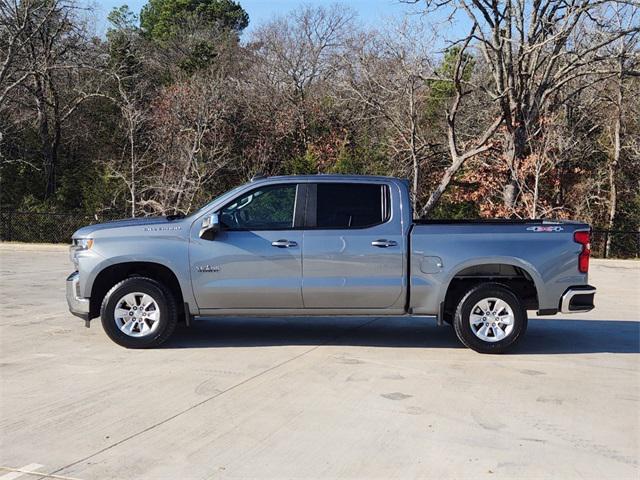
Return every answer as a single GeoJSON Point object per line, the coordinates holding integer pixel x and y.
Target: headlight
{"type": "Point", "coordinates": [81, 243]}
{"type": "Point", "coordinates": [78, 245]}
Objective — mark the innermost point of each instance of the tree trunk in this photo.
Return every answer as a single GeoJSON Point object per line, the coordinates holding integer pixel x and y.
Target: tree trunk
{"type": "Point", "coordinates": [516, 142]}
{"type": "Point", "coordinates": [44, 132]}
{"type": "Point", "coordinates": [132, 153]}
{"type": "Point", "coordinates": [416, 173]}
{"type": "Point", "coordinates": [55, 145]}
{"type": "Point", "coordinates": [536, 193]}
{"type": "Point", "coordinates": [51, 174]}
{"type": "Point", "coordinates": [49, 160]}
{"type": "Point", "coordinates": [616, 159]}
{"type": "Point", "coordinates": [612, 205]}
{"type": "Point", "coordinates": [413, 146]}
{"type": "Point", "coordinates": [442, 186]}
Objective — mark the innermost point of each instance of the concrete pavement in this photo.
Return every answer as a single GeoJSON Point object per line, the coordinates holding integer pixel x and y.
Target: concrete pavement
{"type": "Point", "coordinates": [315, 397]}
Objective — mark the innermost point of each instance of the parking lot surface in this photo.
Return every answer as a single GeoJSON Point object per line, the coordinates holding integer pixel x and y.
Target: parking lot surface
{"type": "Point", "coordinates": [314, 397]}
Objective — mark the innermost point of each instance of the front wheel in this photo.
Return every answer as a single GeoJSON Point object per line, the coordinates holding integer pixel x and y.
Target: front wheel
{"type": "Point", "coordinates": [490, 318]}
{"type": "Point", "coordinates": [139, 312]}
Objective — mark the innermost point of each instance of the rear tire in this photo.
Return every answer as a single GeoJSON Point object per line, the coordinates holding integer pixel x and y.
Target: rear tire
{"type": "Point", "coordinates": [139, 312]}
{"type": "Point", "coordinates": [490, 318]}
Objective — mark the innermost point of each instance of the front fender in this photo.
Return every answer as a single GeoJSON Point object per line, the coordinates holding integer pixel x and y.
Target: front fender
{"type": "Point", "coordinates": [178, 264]}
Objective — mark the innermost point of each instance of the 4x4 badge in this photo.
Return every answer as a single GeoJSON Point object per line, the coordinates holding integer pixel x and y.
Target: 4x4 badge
{"type": "Point", "coordinates": [545, 229]}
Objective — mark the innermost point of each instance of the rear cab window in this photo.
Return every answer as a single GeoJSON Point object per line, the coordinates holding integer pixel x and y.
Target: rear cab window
{"type": "Point", "coordinates": [347, 205]}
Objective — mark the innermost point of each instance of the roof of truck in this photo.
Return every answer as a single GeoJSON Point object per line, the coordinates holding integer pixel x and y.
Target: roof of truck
{"type": "Point", "coordinates": [323, 176]}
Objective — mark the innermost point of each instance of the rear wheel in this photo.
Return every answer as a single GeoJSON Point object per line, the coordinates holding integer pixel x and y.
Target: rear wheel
{"type": "Point", "coordinates": [490, 318]}
{"type": "Point", "coordinates": [139, 312]}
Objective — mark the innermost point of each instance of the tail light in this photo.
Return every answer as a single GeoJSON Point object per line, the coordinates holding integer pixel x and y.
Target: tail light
{"type": "Point", "coordinates": [583, 238]}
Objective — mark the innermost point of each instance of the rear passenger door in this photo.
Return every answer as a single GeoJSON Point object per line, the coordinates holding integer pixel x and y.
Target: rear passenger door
{"type": "Point", "coordinates": [353, 247]}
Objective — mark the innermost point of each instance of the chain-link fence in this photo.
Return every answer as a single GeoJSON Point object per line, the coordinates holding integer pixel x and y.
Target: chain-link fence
{"type": "Point", "coordinates": [37, 227]}
{"type": "Point", "coordinates": [58, 227]}
{"type": "Point", "coordinates": [615, 244]}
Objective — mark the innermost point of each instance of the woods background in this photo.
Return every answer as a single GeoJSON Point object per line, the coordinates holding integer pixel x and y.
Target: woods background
{"type": "Point", "coordinates": [491, 108]}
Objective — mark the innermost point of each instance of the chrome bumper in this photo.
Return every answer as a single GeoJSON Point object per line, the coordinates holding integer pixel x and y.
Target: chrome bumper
{"type": "Point", "coordinates": [578, 299]}
{"type": "Point", "coordinates": [77, 305]}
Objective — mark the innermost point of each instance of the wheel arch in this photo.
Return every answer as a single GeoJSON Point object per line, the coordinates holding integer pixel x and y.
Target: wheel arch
{"type": "Point", "coordinates": [117, 272]}
{"type": "Point", "coordinates": [516, 274]}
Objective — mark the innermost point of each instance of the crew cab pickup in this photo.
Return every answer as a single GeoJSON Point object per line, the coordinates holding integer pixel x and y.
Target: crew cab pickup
{"type": "Point", "coordinates": [326, 245]}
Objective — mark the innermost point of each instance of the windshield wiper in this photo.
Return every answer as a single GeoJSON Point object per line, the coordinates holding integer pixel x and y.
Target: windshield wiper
{"type": "Point", "coordinates": [175, 216]}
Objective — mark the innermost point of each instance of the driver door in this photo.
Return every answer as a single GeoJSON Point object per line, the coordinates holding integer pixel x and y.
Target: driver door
{"type": "Point", "coordinates": [255, 260]}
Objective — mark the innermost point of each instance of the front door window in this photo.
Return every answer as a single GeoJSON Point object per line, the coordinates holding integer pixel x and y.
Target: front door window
{"type": "Point", "coordinates": [265, 208]}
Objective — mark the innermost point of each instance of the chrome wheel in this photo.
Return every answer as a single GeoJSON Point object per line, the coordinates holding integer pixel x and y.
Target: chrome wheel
{"type": "Point", "coordinates": [137, 314]}
{"type": "Point", "coordinates": [491, 319]}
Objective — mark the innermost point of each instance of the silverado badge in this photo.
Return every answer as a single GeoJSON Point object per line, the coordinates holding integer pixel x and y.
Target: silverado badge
{"type": "Point", "coordinates": [207, 268]}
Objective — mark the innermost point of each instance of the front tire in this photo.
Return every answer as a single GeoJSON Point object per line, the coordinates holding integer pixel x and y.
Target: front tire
{"type": "Point", "coordinates": [490, 318]}
{"type": "Point", "coordinates": [139, 312]}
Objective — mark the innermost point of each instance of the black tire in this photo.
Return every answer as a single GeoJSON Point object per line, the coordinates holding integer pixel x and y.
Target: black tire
{"type": "Point", "coordinates": [166, 304]}
{"type": "Point", "coordinates": [465, 331]}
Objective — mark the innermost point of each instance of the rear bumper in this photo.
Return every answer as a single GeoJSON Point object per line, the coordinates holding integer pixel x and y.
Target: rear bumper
{"type": "Point", "coordinates": [77, 305]}
{"type": "Point", "coordinates": [578, 299]}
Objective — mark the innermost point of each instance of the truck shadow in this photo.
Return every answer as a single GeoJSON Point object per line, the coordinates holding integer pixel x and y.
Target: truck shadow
{"type": "Point", "coordinates": [544, 336]}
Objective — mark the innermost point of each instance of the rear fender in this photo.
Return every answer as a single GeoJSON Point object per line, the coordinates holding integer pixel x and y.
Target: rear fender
{"type": "Point", "coordinates": [475, 262]}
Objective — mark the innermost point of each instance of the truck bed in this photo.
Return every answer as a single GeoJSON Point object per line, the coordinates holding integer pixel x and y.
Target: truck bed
{"type": "Point", "coordinates": [493, 221]}
{"type": "Point", "coordinates": [545, 251]}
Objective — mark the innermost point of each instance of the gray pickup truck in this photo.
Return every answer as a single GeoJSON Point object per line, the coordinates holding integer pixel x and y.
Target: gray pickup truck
{"type": "Point", "coordinates": [326, 245]}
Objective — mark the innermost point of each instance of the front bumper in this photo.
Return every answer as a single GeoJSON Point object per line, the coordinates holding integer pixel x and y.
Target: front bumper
{"type": "Point", "coordinates": [578, 299]}
{"type": "Point", "coordinates": [77, 305]}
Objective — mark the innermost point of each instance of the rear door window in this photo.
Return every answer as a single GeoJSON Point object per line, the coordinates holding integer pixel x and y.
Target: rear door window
{"type": "Point", "coordinates": [349, 205]}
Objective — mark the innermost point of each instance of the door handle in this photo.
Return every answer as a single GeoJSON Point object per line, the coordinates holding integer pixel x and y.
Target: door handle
{"type": "Point", "coordinates": [382, 243]}
{"type": "Point", "coordinates": [284, 244]}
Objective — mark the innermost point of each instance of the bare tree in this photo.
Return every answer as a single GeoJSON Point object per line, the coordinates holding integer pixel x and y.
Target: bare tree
{"type": "Point", "coordinates": [386, 72]}
{"type": "Point", "coordinates": [51, 56]}
{"type": "Point", "coordinates": [299, 51]}
{"type": "Point", "coordinates": [534, 51]}
{"type": "Point", "coordinates": [626, 60]}
{"type": "Point", "coordinates": [190, 136]}
{"type": "Point", "coordinates": [17, 29]}
{"type": "Point", "coordinates": [130, 98]}
{"type": "Point", "coordinates": [461, 153]}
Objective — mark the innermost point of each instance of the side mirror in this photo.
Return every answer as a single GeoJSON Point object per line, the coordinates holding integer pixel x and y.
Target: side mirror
{"type": "Point", "coordinates": [210, 226]}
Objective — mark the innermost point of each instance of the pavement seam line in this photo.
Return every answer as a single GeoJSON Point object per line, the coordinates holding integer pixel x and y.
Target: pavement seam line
{"type": "Point", "coordinates": [38, 474]}
{"type": "Point", "coordinates": [192, 407]}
